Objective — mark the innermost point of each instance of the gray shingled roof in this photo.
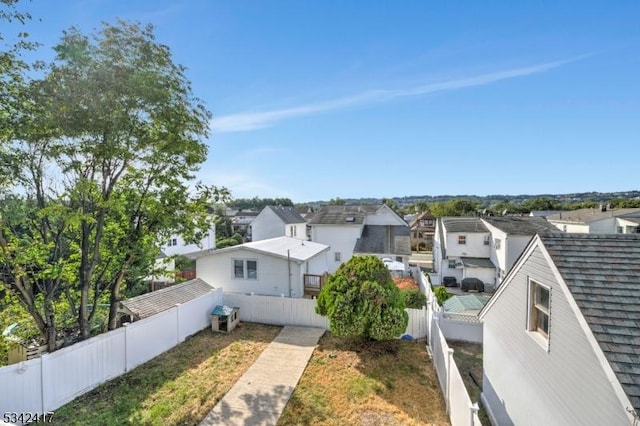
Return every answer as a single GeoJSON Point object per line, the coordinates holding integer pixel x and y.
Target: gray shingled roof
{"type": "Point", "coordinates": [149, 304]}
{"type": "Point", "coordinates": [521, 225]}
{"type": "Point", "coordinates": [603, 275]}
{"type": "Point", "coordinates": [477, 262]}
{"type": "Point", "coordinates": [590, 215]}
{"type": "Point", "coordinates": [332, 215]}
{"type": "Point", "coordinates": [464, 224]}
{"type": "Point", "coordinates": [287, 214]}
{"type": "Point", "coordinates": [384, 239]}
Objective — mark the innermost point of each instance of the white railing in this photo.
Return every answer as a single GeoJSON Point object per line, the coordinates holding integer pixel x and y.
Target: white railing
{"type": "Point", "coordinates": [462, 412]}
{"type": "Point", "coordinates": [46, 383]}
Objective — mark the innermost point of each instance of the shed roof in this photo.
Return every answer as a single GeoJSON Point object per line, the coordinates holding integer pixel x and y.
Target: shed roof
{"type": "Point", "coordinates": [149, 304]}
{"type": "Point", "coordinates": [384, 239]}
{"type": "Point", "coordinates": [464, 224]}
{"type": "Point", "coordinates": [287, 214]}
{"type": "Point", "coordinates": [602, 273]}
{"type": "Point", "coordinates": [526, 225]}
{"type": "Point", "coordinates": [477, 262]}
{"type": "Point", "coordinates": [469, 303]}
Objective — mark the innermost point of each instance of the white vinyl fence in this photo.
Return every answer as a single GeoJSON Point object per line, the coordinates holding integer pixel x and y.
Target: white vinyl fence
{"type": "Point", "coordinates": [302, 312]}
{"type": "Point", "coordinates": [46, 383]}
{"type": "Point", "coordinates": [462, 412]}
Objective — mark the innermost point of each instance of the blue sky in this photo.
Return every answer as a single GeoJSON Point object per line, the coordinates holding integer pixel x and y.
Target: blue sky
{"type": "Point", "coordinates": [320, 99]}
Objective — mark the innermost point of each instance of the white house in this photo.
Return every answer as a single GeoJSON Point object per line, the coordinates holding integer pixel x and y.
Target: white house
{"type": "Point", "coordinates": [278, 221]}
{"type": "Point", "coordinates": [462, 249]}
{"type": "Point", "coordinates": [603, 220]}
{"type": "Point", "coordinates": [509, 237]}
{"type": "Point", "coordinates": [562, 334]}
{"type": "Point", "coordinates": [378, 228]}
{"type": "Point", "coordinates": [176, 245]}
{"type": "Point", "coordinates": [276, 266]}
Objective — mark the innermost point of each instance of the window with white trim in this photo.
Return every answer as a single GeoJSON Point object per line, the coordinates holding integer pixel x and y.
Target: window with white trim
{"type": "Point", "coordinates": [245, 269]}
{"type": "Point", "coordinates": [539, 309]}
{"type": "Point", "coordinates": [337, 256]}
{"type": "Point", "coordinates": [497, 242]}
{"type": "Point", "coordinates": [452, 263]}
{"type": "Point", "coordinates": [172, 242]}
{"type": "Point", "coordinates": [487, 240]}
{"type": "Point", "coordinates": [462, 239]}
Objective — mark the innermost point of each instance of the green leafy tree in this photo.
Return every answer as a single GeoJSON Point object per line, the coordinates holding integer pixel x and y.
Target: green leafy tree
{"type": "Point", "coordinates": [362, 301]}
{"type": "Point", "coordinates": [104, 157]}
{"type": "Point", "coordinates": [337, 202]}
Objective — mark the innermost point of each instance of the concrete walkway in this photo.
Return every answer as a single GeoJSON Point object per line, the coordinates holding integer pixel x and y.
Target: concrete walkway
{"type": "Point", "coordinates": [260, 395]}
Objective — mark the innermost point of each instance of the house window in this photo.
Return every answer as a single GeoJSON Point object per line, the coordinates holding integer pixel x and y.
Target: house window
{"type": "Point", "coordinates": [619, 230]}
{"type": "Point", "coordinates": [292, 231]}
{"type": "Point", "coordinates": [172, 242]}
{"type": "Point", "coordinates": [462, 239]}
{"type": "Point", "coordinates": [498, 243]}
{"type": "Point", "coordinates": [539, 308]}
{"type": "Point", "coordinates": [244, 269]}
{"type": "Point", "coordinates": [452, 263]}
{"type": "Point", "coordinates": [337, 256]}
{"type": "Point", "coordinates": [487, 239]}
{"type": "Point", "coordinates": [430, 222]}
{"type": "Point", "coordinates": [564, 228]}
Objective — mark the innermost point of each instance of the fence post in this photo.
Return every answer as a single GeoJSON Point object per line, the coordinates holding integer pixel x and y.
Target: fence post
{"type": "Point", "coordinates": [42, 381]}
{"type": "Point", "coordinates": [126, 350]}
{"type": "Point", "coordinates": [448, 395]}
{"type": "Point", "coordinates": [474, 411]}
{"type": "Point", "coordinates": [177, 323]}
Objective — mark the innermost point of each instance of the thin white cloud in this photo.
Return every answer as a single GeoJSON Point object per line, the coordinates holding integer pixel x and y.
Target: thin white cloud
{"type": "Point", "coordinates": [248, 121]}
{"type": "Point", "coordinates": [243, 184]}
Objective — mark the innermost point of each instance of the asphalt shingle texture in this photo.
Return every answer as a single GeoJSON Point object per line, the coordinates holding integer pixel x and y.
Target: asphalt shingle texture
{"type": "Point", "coordinates": [287, 214]}
{"type": "Point", "coordinates": [149, 304]}
{"type": "Point", "coordinates": [464, 224]}
{"type": "Point", "coordinates": [384, 239]}
{"type": "Point", "coordinates": [603, 275]}
{"type": "Point", "coordinates": [521, 225]}
{"type": "Point", "coordinates": [331, 215]}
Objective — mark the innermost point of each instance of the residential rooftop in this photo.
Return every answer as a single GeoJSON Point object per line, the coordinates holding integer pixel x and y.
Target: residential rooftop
{"type": "Point", "coordinates": [284, 247]}
{"type": "Point", "coordinates": [287, 214]}
{"type": "Point", "coordinates": [603, 276]}
{"type": "Point", "coordinates": [384, 239]}
{"type": "Point", "coordinates": [464, 224]}
{"type": "Point", "coordinates": [591, 215]}
{"type": "Point", "coordinates": [343, 215]}
{"type": "Point", "coordinates": [525, 225]}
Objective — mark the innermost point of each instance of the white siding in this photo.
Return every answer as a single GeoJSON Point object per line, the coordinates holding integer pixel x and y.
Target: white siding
{"type": "Point", "coordinates": [267, 225]}
{"type": "Point", "coordinates": [296, 230]}
{"type": "Point", "coordinates": [474, 246]}
{"type": "Point", "coordinates": [341, 239]}
{"type": "Point", "coordinates": [524, 384]}
{"type": "Point", "coordinates": [207, 243]}
{"type": "Point", "coordinates": [570, 227]}
{"type": "Point", "coordinates": [384, 216]}
{"type": "Point", "coordinates": [603, 226]}
{"type": "Point", "coordinates": [273, 273]}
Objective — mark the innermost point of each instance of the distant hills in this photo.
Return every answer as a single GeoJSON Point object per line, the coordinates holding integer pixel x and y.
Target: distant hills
{"type": "Point", "coordinates": [492, 199]}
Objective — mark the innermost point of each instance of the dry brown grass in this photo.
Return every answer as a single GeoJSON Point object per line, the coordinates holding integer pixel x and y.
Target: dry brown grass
{"type": "Point", "coordinates": [367, 385]}
{"type": "Point", "coordinates": [406, 282]}
{"type": "Point", "coordinates": [178, 387]}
